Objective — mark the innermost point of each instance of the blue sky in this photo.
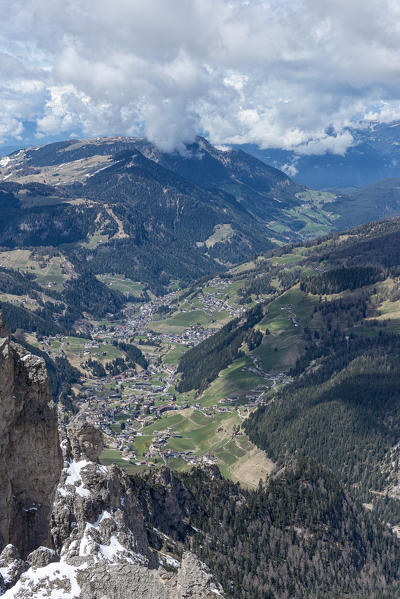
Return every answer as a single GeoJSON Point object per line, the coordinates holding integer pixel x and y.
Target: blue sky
{"type": "Point", "coordinates": [290, 75]}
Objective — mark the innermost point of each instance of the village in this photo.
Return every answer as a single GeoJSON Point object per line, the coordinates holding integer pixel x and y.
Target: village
{"type": "Point", "coordinates": [134, 407]}
{"type": "Point", "coordinates": [128, 415]}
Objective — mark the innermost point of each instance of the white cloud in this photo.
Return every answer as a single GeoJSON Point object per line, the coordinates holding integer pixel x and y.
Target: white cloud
{"type": "Point", "coordinates": [289, 169]}
{"type": "Point", "coordinates": [274, 73]}
{"type": "Point", "coordinates": [10, 128]}
{"type": "Point", "coordinates": [334, 144]}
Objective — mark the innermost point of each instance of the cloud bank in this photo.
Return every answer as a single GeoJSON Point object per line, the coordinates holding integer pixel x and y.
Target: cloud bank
{"type": "Point", "coordinates": [288, 74]}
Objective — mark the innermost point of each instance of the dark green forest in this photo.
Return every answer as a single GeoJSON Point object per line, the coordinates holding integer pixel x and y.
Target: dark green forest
{"type": "Point", "coordinates": [340, 279]}
{"type": "Point", "coordinates": [299, 535]}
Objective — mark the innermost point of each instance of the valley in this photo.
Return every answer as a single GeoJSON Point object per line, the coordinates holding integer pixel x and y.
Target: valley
{"type": "Point", "coordinates": [224, 376]}
{"type": "Point", "coordinates": [200, 300]}
{"type": "Point", "coordinates": [129, 376]}
{"type": "Point", "coordinates": [145, 420]}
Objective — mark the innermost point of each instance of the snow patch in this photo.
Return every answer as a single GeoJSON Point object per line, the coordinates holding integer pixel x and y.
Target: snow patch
{"type": "Point", "coordinates": [64, 444]}
{"type": "Point", "coordinates": [91, 544]}
{"type": "Point", "coordinates": [4, 161]}
{"type": "Point", "coordinates": [47, 583]}
{"type": "Point", "coordinates": [7, 573]}
{"type": "Point", "coordinates": [113, 550]}
{"type": "Point", "coordinates": [169, 560]}
{"type": "Point", "coordinates": [98, 170]}
{"type": "Point", "coordinates": [88, 546]}
{"type": "Point", "coordinates": [103, 516]}
{"type": "Point", "coordinates": [74, 478]}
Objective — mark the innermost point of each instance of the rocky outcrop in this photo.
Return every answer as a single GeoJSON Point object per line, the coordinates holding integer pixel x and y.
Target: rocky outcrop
{"type": "Point", "coordinates": [11, 566]}
{"type": "Point", "coordinates": [69, 527]}
{"type": "Point", "coordinates": [101, 539]}
{"type": "Point", "coordinates": [83, 441]}
{"type": "Point", "coordinates": [30, 458]}
{"type": "Point", "coordinates": [94, 501]}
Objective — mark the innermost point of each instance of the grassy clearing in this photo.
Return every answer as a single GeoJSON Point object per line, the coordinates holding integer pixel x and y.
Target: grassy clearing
{"type": "Point", "coordinates": [252, 467]}
{"type": "Point", "coordinates": [17, 259]}
{"type": "Point", "coordinates": [198, 433]}
{"type": "Point", "coordinates": [181, 320]}
{"type": "Point", "coordinates": [218, 319]}
{"type": "Point", "coordinates": [388, 309]}
{"type": "Point", "coordinates": [281, 348]}
{"type": "Point", "coordinates": [76, 352]}
{"type": "Point", "coordinates": [233, 288]}
{"type": "Point", "coordinates": [93, 241]}
{"type": "Point", "coordinates": [122, 284]}
{"type": "Point", "coordinates": [288, 259]}
{"type": "Point", "coordinates": [48, 270]}
{"type": "Point", "coordinates": [221, 233]}
{"type": "Point", "coordinates": [279, 352]}
{"type": "Point", "coordinates": [113, 456]}
{"type": "Point", "coordinates": [243, 267]}
{"type": "Point", "coordinates": [233, 380]}
{"type": "Point", "coordinates": [278, 227]}
{"type": "Point", "coordinates": [22, 300]}
{"type": "Point", "coordinates": [172, 357]}
{"type": "Point", "coordinates": [316, 197]}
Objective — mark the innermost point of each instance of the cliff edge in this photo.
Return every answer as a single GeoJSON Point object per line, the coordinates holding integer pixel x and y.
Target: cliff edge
{"type": "Point", "coordinates": [30, 456]}
{"type": "Point", "coordinates": [69, 527]}
{"type": "Point", "coordinates": [99, 532]}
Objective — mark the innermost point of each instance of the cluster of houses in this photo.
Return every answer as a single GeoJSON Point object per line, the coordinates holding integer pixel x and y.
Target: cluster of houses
{"type": "Point", "coordinates": [189, 457]}
{"type": "Point", "coordinates": [125, 405]}
{"type": "Point", "coordinates": [160, 438]}
{"type": "Point", "coordinates": [215, 301]}
{"type": "Point", "coordinates": [289, 308]}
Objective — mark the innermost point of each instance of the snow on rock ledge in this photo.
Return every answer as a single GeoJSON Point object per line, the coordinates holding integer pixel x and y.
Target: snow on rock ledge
{"type": "Point", "coordinates": [98, 530]}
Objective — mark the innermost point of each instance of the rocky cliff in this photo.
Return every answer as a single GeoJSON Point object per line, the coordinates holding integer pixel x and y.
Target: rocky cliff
{"type": "Point", "coordinates": [30, 457]}
{"type": "Point", "coordinates": [101, 539]}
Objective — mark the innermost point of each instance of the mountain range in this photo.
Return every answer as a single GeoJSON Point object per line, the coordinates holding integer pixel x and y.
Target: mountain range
{"type": "Point", "coordinates": [184, 303]}
{"type": "Point", "coordinates": [373, 154]}
{"type": "Point", "coordinates": [119, 205]}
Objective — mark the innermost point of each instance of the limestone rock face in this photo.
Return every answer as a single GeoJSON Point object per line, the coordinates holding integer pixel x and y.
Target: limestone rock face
{"type": "Point", "coordinates": [30, 458]}
{"type": "Point", "coordinates": [85, 441]}
{"type": "Point", "coordinates": [94, 502]}
{"type": "Point", "coordinates": [99, 532]}
{"type": "Point", "coordinates": [11, 566]}
{"type": "Point", "coordinates": [69, 527]}
{"type": "Point", "coordinates": [42, 556]}
{"type": "Point", "coordinates": [195, 580]}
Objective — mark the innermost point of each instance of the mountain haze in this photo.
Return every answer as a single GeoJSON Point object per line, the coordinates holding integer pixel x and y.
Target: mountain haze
{"type": "Point", "coordinates": [373, 153]}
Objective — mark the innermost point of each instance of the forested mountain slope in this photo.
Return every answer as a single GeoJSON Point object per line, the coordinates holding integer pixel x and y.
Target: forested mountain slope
{"type": "Point", "coordinates": [119, 205]}
{"type": "Point", "coordinates": [329, 328]}
{"type": "Point", "coordinates": [299, 534]}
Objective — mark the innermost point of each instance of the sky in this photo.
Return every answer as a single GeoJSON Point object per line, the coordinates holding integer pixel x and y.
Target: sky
{"type": "Point", "coordinates": [289, 74]}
